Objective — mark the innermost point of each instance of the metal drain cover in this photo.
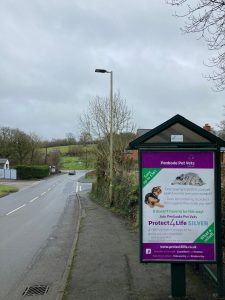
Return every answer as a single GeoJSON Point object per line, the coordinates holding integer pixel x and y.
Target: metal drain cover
{"type": "Point", "coordinates": [36, 290]}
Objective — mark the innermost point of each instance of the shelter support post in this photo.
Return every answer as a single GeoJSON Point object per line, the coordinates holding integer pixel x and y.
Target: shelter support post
{"type": "Point", "coordinates": [220, 284]}
{"type": "Point", "coordinates": [178, 280]}
{"type": "Point", "coordinates": [219, 249]}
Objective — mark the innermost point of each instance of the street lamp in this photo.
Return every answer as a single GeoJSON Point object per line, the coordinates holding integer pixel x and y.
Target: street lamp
{"type": "Point", "coordinates": [110, 133]}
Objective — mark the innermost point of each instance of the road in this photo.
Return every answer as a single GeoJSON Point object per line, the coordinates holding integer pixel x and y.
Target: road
{"type": "Point", "coordinates": [36, 233]}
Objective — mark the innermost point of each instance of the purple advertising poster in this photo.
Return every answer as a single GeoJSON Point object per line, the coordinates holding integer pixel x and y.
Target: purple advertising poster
{"type": "Point", "coordinates": [178, 206]}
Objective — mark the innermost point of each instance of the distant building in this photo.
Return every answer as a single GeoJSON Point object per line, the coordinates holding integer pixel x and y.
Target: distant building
{"type": "Point", "coordinates": [133, 154]}
{"type": "Point", "coordinates": [211, 130]}
{"type": "Point", "coordinates": [4, 163]}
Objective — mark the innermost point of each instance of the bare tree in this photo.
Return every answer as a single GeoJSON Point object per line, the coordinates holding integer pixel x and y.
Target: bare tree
{"type": "Point", "coordinates": [85, 137]}
{"type": "Point", "coordinates": [71, 140]}
{"type": "Point", "coordinates": [207, 17]}
{"type": "Point", "coordinates": [21, 146]}
{"type": "Point", "coordinates": [221, 125]}
{"type": "Point", "coordinates": [96, 120]}
{"type": "Point", "coordinates": [35, 144]}
{"type": "Point", "coordinates": [17, 145]}
{"type": "Point", "coordinates": [6, 142]}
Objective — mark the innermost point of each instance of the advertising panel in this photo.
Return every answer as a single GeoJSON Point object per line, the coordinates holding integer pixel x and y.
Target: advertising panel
{"type": "Point", "coordinates": [178, 206]}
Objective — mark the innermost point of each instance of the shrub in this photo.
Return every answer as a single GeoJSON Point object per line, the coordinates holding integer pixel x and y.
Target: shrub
{"type": "Point", "coordinates": [100, 191]}
{"type": "Point", "coordinates": [125, 195]}
{"type": "Point", "coordinates": [31, 172]}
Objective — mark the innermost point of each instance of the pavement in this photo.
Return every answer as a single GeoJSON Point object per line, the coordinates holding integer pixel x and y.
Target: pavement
{"type": "Point", "coordinates": [106, 265]}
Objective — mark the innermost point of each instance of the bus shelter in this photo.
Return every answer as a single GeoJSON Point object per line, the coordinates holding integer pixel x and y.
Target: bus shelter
{"type": "Point", "coordinates": [180, 198]}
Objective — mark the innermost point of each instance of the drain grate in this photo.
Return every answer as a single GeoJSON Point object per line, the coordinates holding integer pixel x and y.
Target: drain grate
{"type": "Point", "coordinates": [36, 290]}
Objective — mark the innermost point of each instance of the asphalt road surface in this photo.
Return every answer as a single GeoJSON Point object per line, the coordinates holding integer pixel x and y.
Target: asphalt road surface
{"type": "Point", "coordinates": [37, 227]}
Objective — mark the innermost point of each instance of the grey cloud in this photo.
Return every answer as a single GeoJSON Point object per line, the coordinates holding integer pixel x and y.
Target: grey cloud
{"type": "Point", "coordinates": [49, 50]}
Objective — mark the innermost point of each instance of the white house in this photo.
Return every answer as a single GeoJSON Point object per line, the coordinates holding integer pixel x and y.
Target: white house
{"type": "Point", "coordinates": [4, 163]}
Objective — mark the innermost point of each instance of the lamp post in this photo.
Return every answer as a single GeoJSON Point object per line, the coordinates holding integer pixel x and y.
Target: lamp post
{"type": "Point", "coordinates": [110, 133]}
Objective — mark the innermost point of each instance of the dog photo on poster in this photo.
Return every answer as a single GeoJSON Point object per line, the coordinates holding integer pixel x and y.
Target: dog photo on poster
{"type": "Point", "coordinates": [178, 206]}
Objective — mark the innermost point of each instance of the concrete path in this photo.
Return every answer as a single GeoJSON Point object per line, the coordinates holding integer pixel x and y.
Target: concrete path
{"type": "Point", "coordinates": [106, 263]}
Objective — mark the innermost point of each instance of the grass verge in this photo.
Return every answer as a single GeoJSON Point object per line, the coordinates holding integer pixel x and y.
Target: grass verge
{"type": "Point", "coordinates": [74, 163]}
{"type": "Point", "coordinates": [6, 189]}
{"type": "Point", "coordinates": [91, 176]}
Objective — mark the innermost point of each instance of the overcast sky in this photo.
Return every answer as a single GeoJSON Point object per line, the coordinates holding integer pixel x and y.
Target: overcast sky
{"type": "Point", "coordinates": [50, 49]}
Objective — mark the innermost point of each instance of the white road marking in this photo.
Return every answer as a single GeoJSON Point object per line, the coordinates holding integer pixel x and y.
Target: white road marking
{"type": "Point", "coordinates": [15, 209]}
{"type": "Point", "coordinates": [77, 187]}
{"type": "Point", "coordinates": [32, 200]}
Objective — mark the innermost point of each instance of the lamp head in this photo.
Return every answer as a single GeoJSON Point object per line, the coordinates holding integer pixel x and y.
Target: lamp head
{"type": "Point", "coordinates": [100, 71]}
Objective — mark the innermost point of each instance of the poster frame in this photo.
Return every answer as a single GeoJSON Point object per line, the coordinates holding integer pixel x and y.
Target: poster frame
{"type": "Point", "coordinates": [217, 199]}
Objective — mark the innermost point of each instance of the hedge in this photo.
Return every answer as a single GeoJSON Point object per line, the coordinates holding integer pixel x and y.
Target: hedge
{"type": "Point", "coordinates": [125, 195]}
{"type": "Point", "coordinates": [31, 172]}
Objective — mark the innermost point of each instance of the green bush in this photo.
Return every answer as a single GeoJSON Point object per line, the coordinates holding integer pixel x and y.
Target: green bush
{"type": "Point", "coordinates": [100, 191]}
{"type": "Point", "coordinates": [125, 196]}
{"type": "Point", "coordinates": [31, 172]}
